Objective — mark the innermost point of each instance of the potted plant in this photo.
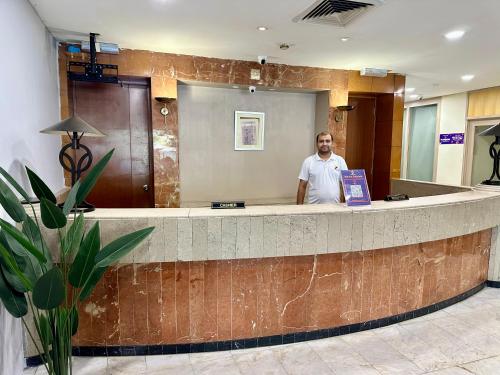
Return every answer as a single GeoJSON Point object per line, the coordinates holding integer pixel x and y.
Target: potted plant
{"type": "Point", "coordinates": [30, 278]}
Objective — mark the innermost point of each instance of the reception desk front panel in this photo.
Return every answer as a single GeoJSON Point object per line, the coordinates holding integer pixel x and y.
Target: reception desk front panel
{"type": "Point", "coordinates": [279, 274]}
{"type": "Point", "coordinates": [203, 301]}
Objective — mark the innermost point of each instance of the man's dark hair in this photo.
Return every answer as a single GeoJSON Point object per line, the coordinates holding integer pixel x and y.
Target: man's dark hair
{"type": "Point", "coordinates": [324, 133]}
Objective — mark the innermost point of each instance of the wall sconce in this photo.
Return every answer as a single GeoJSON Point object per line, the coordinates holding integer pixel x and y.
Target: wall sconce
{"type": "Point", "coordinates": [164, 110]}
{"type": "Point", "coordinates": [74, 127]}
{"type": "Point", "coordinates": [340, 110]}
{"type": "Point", "coordinates": [495, 154]}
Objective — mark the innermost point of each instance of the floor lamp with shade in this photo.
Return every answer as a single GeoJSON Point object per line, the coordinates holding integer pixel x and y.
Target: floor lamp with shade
{"type": "Point", "coordinates": [75, 128]}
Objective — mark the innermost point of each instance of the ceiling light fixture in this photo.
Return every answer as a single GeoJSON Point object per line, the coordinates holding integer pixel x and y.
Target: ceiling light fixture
{"type": "Point", "coordinates": [454, 35]}
{"type": "Point", "coordinates": [410, 89]}
{"type": "Point", "coordinates": [345, 39]}
{"type": "Point", "coordinates": [467, 77]}
{"type": "Point", "coordinates": [262, 28]}
{"type": "Point", "coordinates": [415, 96]}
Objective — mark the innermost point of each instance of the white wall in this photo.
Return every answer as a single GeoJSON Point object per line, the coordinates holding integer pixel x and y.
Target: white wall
{"type": "Point", "coordinates": [450, 157]}
{"type": "Point", "coordinates": [210, 168]}
{"type": "Point", "coordinates": [29, 101]}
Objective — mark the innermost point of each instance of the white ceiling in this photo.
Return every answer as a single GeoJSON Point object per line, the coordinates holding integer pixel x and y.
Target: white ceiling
{"type": "Point", "coordinates": [405, 36]}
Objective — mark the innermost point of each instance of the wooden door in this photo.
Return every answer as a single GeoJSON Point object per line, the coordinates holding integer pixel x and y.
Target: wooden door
{"type": "Point", "coordinates": [361, 136]}
{"type": "Point", "coordinates": [122, 112]}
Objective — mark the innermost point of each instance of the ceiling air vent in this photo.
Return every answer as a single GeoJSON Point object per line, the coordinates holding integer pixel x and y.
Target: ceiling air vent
{"type": "Point", "coordinates": [336, 12]}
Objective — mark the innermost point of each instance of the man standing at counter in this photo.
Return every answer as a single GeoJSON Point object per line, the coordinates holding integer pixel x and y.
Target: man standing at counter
{"type": "Point", "coordinates": [322, 172]}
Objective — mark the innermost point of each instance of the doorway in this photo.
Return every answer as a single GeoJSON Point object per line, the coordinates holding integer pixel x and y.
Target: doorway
{"type": "Point", "coordinates": [361, 136]}
{"type": "Point", "coordinates": [479, 164]}
{"type": "Point", "coordinates": [422, 143]}
{"type": "Point", "coordinates": [122, 112]}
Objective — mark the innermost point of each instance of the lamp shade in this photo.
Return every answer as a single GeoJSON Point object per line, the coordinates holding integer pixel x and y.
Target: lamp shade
{"type": "Point", "coordinates": [494, 130]}
{"type": "Point", "coordinates": [73, 124]}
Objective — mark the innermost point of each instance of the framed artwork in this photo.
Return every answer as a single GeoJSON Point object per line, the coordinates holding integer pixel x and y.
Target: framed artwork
{"type": "Point", "coordinates": [248, 131]}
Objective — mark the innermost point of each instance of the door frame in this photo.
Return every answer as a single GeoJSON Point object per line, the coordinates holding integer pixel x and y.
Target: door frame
{"type": "Point", "coordinates": [469, 144]}
{"type": "Point", "coordinates": [406, 134]}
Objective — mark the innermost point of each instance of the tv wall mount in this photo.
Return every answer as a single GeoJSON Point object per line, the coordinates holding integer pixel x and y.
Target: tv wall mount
{"type": "Point", "coordinates": [92, 71]}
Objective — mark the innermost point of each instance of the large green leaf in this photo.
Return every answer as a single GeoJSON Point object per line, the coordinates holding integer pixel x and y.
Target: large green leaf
{"type": "Point", "coordinates": [71, 198]}
{"type": "Point", "coordinates": [11, 203]}
{"type": "Point", "coordinates": [14, 184]}
{"type": "Point", "coordinates": [39, 188]}
{"type": "Point", "coordinates": [21, 239]}
{"type": "Point", "coordinates": [91, 177]}
{"type": "Point", "coordinates": [14, 302]}
{"type": "Point", "coordinates": [8, 263]}
{"type": "Point", "coordinates": [84, 261]}
{"type": "Point", "coordinates": [52, 215]}
{"type": "Point", "coordinates": [71, 241]}
{"type": "Point", "coordinates": [92, 281]}
{"type": "Point", "coordinates": [23, 264]}
{"type": "Point", "coordinates": [32, 232]}
{"type": "Point", "coordinates": [49, 291]}
{"type": "Point", "coordinates": [45, 331]}
{"type": "Point", "coordinates": [120, 247]}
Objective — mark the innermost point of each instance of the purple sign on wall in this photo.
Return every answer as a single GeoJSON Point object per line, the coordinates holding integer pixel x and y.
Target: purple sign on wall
{"type": "Point", "coordinates": [451, 139]}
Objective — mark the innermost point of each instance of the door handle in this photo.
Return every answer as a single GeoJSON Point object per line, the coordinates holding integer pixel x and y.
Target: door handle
{"type": "Point", "coordinates": [145, 187]}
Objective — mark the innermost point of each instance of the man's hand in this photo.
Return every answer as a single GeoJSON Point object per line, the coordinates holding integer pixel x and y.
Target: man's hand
{"type": "Point", "coordinates": [301, 192]}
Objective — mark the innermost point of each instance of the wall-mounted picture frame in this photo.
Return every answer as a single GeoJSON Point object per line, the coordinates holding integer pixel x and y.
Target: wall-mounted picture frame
{"type": "Point", "coordinates": [249, 131]}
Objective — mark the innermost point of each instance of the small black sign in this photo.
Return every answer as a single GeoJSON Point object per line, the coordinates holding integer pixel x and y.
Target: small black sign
{"type": "Point", "coordinates": [236, 204]}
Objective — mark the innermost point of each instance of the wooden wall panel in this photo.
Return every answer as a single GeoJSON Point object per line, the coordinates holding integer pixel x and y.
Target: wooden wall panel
{"type": "Point", "coordinates": [484, 103]}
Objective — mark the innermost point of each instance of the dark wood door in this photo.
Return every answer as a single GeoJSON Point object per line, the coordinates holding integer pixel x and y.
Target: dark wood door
{"type": "Point", "coordinates": [122, 112]}
{"type": "Point", "coordinates": [361, 136]}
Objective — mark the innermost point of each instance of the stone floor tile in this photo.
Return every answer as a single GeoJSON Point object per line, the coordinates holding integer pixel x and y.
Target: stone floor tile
{"type": "Point", "coordinates": [489, 366]}
{"type": "Point", "coordinates": [301, 359]}
{"type": "Point", "coordinates": [450, 371]}
{"type": "Point", "coordinates": [127, 365]}
{"type": "Point", "coordinates": [89, 365]}
{"type": "Point", "coordinates": [262, 361]}
{"type": "Point", "coordinates": [214, 363]}
{"type": "Point", "coordinates": [416, 350]}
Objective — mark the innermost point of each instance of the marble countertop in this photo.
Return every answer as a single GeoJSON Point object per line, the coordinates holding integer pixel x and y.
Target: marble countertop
{"type": "Point", "coordinates": [278, 210]}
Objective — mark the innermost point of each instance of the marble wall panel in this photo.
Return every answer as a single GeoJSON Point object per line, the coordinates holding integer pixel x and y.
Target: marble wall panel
{"type": "Point", "coordinates": [215, 300]}
{"type": "Point", "coordinates": [165, 70]}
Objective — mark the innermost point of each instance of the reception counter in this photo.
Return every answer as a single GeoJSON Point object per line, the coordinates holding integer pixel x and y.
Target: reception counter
{"type": "Point", "coordinates": [265, 275]}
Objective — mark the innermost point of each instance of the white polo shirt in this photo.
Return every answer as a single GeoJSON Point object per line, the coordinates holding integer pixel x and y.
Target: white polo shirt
{"type": "Point", "coordinates": [323, 177]}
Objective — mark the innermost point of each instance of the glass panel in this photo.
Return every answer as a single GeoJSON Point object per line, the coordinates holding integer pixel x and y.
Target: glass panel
{"type": "Point", "coordinates": [421, 142]}
{"type": "Point", "coordinates": [482, 163]}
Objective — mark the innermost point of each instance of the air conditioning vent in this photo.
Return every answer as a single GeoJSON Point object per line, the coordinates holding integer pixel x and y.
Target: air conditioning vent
{"type": "Point", "coordinates": [336, 12]}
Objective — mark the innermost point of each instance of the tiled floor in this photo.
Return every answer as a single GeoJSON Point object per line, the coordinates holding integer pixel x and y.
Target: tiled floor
{"type": "Point", "coordinates": [461, 339]}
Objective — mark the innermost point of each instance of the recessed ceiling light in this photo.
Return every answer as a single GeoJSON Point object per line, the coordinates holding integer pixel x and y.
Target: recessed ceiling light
{"type": "Point", "coordinates": [345, 39]}
{"type": "Point", "coordinates": [262, 28]}
{"type": "Point", "coordinates": [236, 87]}
{"type": "Point", "coordinates": [454, 35]}
{"type": "Point", "coordinates": [410, 89]}
{"type": "Point", "coordinates": [467, 77]}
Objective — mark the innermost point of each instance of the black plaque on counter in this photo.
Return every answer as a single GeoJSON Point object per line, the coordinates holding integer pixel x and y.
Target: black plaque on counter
{"type": "Point", "coordinates": [223, 205]}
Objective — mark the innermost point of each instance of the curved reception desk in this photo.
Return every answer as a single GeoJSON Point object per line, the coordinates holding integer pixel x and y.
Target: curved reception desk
{"type": "Point", "coordinates": [224, 279]}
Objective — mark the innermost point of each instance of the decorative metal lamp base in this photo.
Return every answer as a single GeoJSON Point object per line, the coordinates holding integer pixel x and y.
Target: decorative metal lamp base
{"type": "Point", "coordinates": [490, 182]}
{"type": "Point", "coordinates": [495, 155]}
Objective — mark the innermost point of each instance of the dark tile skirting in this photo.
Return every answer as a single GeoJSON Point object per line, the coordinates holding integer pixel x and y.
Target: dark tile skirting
{"type": "Point", "coordinates": [493, 284]}
{"type": "Point", "coordinates": [112, 351]}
